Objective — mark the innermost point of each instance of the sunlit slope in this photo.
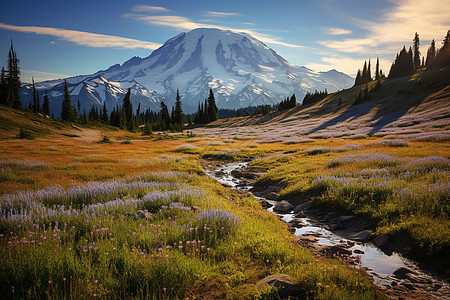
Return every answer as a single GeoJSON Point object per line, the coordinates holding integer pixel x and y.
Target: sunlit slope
{"type": "Point", "coordinates": [413, 106]}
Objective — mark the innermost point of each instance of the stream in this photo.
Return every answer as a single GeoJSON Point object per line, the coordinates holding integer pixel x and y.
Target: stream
{"type": "Point", "coordinates": [381, 266]}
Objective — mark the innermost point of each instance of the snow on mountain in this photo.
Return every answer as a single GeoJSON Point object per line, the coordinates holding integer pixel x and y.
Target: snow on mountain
{"type": "Point", "coordinates": [240, 69]}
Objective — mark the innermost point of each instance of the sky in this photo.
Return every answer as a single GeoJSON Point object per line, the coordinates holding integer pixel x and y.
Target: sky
{"type": "Point", "coordinates": [57, 39]}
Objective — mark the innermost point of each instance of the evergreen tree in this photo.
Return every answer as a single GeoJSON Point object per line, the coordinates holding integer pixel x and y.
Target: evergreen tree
{"type": "Point", "coordinates": [416, 51]}
{"type": "Point", "coordinates": [212, 111]}
{"type": "Point", "coordinates": [403, 64]}
{"type": "Point", "coordinates": [364, 73]}
{"type": "Point", "coordinates": [46, 105]}
{"type": "Point", "coordinates": [138, 112]}
{"type": "Point", "coordinates": [3, 87]}
{"type": "Point", "coordinates": [127, 107]}
{"type": "Point", "coordinates": [358, 78]}
{"type": "Point", "coordinates": [35, 110]}
{"type": "Point", "coordinates": [443, 55]}
{"type": "Point", "coordinates": [13, 80]}
{"type": "Point", "coordinates": [377, 69]}
{"type": "Point", "coordinates": [178, 115]}
{"type": "Point", "coordinates": [104, 113]}
{"type": "Point", "coordinates": [67, 111]}
{"type": "Point", "coordinates": [38, 104]}
{"type": "Point", "coordinates": [79, 107]}
{"type": "Point", "coordinates": [164, 117]}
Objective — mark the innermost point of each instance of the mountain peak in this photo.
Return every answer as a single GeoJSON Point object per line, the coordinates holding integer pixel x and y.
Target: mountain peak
{"type": "Point", "coordinates": [240, 69]}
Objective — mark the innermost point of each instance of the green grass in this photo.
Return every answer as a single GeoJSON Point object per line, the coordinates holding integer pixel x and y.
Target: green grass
{"type": "Point", "coordinates": [400, 189]}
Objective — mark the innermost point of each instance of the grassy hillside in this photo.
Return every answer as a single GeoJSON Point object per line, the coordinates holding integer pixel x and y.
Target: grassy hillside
{"type": "Point", "coordinates": [416, 107]}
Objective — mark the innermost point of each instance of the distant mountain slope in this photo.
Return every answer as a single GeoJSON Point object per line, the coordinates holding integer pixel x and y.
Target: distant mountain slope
{"type": "Point", "coordinates": [414, 107]}
{"type": "Point", "coordinates": [240, 69]}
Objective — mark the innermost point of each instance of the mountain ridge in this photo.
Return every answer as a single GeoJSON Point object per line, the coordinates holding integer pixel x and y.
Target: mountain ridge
{"type": "Point", "coordinates": [240, 69]}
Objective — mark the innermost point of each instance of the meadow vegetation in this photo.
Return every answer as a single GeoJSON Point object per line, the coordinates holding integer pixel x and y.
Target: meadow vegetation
{"type": "Point", "coordinates": [400, 186]}
{"type": "Point", "coordinates": [82, 219]}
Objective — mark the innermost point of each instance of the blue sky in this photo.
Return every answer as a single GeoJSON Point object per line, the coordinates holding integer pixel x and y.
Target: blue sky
{"type": "Point", "coordinates": [55, 39]}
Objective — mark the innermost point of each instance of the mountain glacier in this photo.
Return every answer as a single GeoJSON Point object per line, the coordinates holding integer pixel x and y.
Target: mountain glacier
{"type": "Point", "coordinates": [240, 69]}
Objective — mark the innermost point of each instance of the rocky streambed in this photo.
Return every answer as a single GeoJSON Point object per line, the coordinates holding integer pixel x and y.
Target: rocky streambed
{"type": "Point", "coordinates": [347, 236]}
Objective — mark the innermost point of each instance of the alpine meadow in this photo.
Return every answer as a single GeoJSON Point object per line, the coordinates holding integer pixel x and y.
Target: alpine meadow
{"type": "Point", "coordinates": [213, 167]}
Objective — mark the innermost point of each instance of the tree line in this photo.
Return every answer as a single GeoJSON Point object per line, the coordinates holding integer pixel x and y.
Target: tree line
{"type": "Point", "coordinates": [10, 81]}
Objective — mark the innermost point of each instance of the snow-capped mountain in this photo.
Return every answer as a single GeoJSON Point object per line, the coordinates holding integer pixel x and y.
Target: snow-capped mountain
{"type": "Point", "coordinates": [240, 69]}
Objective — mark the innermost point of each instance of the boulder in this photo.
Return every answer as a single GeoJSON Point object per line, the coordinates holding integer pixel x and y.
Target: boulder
{"type": "Point", "coordinates": [338, 250]}
{"type": "Point", "coordinates": [265, 204]}
{"type": "Point", "coordinates": [142, 214]}
{"type": "Point", "coordinates": [283, 207]}
{"type": "Point", "coordinates": [343, 219]}
{"type": "Point", "coordinates": [236, 173]}
{"type": "Point", "coordinates": [286, 286]}
{"type": "Point", "coordinates": [363, 236]}
{"type": "Point", "coordinates": [402, 272]}
{"type": "Point", "coordinates": [272, 188]}
{"type": "Point", "coordinates": [382, 240]}
{"type": "Point", "coordinates": [272, 196]}
{"type": "Point", "coordinates": [304, 206]}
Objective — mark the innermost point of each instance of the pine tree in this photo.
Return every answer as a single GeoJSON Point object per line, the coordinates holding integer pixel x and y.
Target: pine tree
{"type": "Point", "coordinates": [212, 111]}
{"type": "Point", "coordinates": [138, 113]}
{"type": "Point", "coordinates": [358, 78]}
{"type": "Point", "coordinates": [178, 116]}
{"type": "Point", "coordinates": [403, 64]}
{"type": "Point", "coordinates": [368, 74]}
{"type": "Point", "coordinates": [13, 80]}
{"type": "Point", "coordinates": [164, 116]}
{"type": "Point", "coordinates": [416, 51]}
{"type": "Point", "coordinates": [67, 111]}
{"type": "Point", "coordinates": [127, 106]}
{"type": "Point", "coordinates": [35, 110]}
{"type": "Point", "coordinates": [104, 113]}
{"type": "Point", "coordinates": [443, 55]}
{"type": "Point", "coordinates": [38, 104]}
{"type": "Point", "coordinates": [364, 73]}
{"type": "Point", "coordinates": [3, 87]}
{"type": "Point", "coordinates": [46, 105]}
{"type": "Point", "coordinates": [377, 69]}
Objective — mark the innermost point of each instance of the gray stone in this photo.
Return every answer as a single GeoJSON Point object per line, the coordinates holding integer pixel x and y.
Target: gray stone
{"type": "Point", "coordinates": [272, 196]}
{"type": "Point", "coordinates": [333, 227]}
{"type": "Point", "coordinates": [286, 286]}
{"type": "Point", "coordinates": [304, 206]}
{"type": "Point", "coordinates": [141, 214]}
{"type": "Point", "coordinates": [346, 218]}
{"type": "Point", "coordinates": [402, 272]}
{"type": "Point", "coordinates": [283, 207]}
{"type": "Point", "coordinates": [265, 204]}
{"type": "Point", "coordinates": [338, 250]}
{"type": "Point", "coordinates": [382, 240]}
{"type": "Point", "coordinates": [363, 236]}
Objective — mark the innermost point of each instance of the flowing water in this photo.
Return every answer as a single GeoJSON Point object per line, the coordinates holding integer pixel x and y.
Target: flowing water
{"type": "Point", "coordinates": [379, 265]}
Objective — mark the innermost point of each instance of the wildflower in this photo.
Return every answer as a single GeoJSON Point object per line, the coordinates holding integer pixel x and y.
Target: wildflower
{"type": "Point", "coordinates": [12, 289]}
{"type": "Point", "coordinates": [64, 279]}
{"type": "Point", "coordinates": [49, 282]}
{"type": "Point", "coordinates": [95, 281]}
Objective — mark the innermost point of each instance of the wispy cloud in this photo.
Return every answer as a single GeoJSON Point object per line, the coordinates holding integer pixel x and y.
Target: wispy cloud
{"type": "Point", "coordinates": [148, 8]}
{"type": "Point", "coordinates": [85, 38]}
{"type": "Point", "coordinates": [26, 76]}
{"type": "Point", "coordinates": [184, 23]}
{"type": "Point", "coordinates": [219, 14]}
{"type": "Point", "coordinates": [397, 25]}
{"type": "Point", "coordinates": [336, 31]}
